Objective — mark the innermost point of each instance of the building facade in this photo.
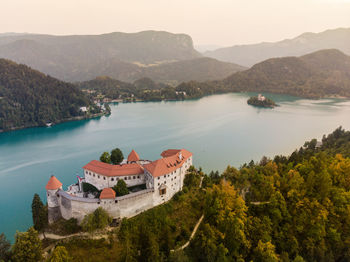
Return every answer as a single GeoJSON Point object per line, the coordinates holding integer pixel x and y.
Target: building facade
{"type": "Point", "coordinates": [151, 183]}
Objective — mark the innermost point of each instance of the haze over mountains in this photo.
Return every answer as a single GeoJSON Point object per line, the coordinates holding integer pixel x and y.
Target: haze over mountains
{"type": "Point", "coordinates": [248, 55]}
{"type": "Point", "coordinates": [324, 73]}
{"type": "Point", "coordinates": [124, 56]}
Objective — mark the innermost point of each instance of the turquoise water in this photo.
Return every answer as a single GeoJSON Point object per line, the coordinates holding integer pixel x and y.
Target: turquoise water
{"type": "Point", "coordinates": [219, 130]}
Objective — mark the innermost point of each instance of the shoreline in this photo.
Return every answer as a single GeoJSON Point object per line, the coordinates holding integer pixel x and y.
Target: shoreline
{"type": "Point", "coordinates": [76, 118]}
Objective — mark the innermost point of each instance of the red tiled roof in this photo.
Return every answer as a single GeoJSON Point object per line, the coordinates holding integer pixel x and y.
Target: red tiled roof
{"type": "Point", "coordinates": [133, 156]}
{"type": "Point", "coordinates": [107, 193]}
{"type": "Point", "coordinates": [169, 163]}
{"type": "Point", "coordinates": [171, 152]}
{"type": "Point", "coordinates": [53, 183]}
{"type": "Point", "coordinates": [113, 170]}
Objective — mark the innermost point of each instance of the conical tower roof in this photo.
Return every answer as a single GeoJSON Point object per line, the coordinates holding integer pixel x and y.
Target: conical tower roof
{"type": "Point", "coordinates": [53, 183]}
{"type": "Point", "coordinates": [133, 156]}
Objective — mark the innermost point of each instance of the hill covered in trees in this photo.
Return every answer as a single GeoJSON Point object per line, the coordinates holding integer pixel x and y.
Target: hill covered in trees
{"type": "Point", "coordinates": [30, 98]}
{"type": "Point", "coordinates": [324, 73]}
{"type": "Point", "coordinates": [248, 55]}
{"type": "Point", "coordinates": [289, 208]}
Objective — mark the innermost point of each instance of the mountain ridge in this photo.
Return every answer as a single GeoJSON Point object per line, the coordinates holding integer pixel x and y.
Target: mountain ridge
{"type": "Point", "coordinates": [248, 55]}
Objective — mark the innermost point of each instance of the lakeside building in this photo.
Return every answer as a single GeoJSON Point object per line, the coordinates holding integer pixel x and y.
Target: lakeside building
{"type": "Point", "coordinates": [152, 183]}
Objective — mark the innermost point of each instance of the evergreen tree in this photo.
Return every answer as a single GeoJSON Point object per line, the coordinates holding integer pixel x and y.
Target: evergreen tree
{"type": "Point", "coordinates": [39, 213]}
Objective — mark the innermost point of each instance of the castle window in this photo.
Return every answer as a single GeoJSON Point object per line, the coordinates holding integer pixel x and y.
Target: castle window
{"type": "Point", "coordinates": [158, 178]}
{"type": "Point", "coordinates": [162, 191]}
{"type": "Point", "coordinates": [158, 184]}
{"type": "Point", "coordinates": [98, 176]}
{"type": "Point", "coordinates": [164, 175]}
{"type": "Point", "coordinates": [116, 201]}
{"type": "Point", "coordinates": [104, 178]}
{"type": "Point", "coordinates": [94, 175]}
{"type": "Point", "coordinates": [112, 179]}
{"type": "Point", "coordinates": [134, 177]}
{"type": "Point", "coordinates": [138, 176]}
{"type": "Point", "coordinates": [125, 178]}
{"type": "Point", "coordinates": [98, 203]}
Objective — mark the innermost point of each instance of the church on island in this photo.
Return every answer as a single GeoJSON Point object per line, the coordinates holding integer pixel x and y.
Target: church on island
{"type": "Point", "coordinates": [150, 183]}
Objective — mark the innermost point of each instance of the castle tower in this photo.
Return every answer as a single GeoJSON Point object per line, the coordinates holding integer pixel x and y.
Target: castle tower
{"type": "Point", "coordinates": [52, 187]}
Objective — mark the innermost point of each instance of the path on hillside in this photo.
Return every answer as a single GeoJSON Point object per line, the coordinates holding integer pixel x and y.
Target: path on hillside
{"type": "Point", "coordinates": [192, 235]}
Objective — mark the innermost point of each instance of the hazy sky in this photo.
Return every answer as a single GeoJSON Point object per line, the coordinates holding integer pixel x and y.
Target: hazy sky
{"type": "Point", "coordinates": [220, 22]}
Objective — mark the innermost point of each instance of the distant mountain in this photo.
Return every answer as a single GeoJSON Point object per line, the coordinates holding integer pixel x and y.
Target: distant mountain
{"type": "Point", "coordinates": [205, 48]}
{"type": "Point", "coordinates": [199, 69]}
{"type": "Point", "coordinates": [30, 98]}
{"type": "Point", "coordinates": [72, 57]}
{"type": "Point", "coordinates": [324, 73]}
{"type": "Point", "coordinates": [248, 55]}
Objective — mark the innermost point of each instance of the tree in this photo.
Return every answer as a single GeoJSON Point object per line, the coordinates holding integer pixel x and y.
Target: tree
{"type": "Point", "coordinates": [192, 178]}
{"type": "Point", "coordinates": [120, 188]}
{"type": "Point", "coordinates": [39, 213]}
{"type": "Point", "coordinates": [116, 156]}
{"type": "Point", "coordinates": [60, 254]}
{"type": "Point", "coordinates": [265, 252]}
{"type": "Point", "coordinates": [4, 247]}
{"type": "Point", "coordinates": [27, 247]}
{"type": "Point", "coordinates": [105, 157]}
{"type": "Point", "coordinates": [99, 219]}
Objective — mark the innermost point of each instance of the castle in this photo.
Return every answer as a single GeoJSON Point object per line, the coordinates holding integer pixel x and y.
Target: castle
{"type": "Point", "coordinates": [151, 183]}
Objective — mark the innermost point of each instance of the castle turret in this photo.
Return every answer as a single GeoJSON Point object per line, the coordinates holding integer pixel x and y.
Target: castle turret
{"type": "Point", "coordinates": [52, 187]}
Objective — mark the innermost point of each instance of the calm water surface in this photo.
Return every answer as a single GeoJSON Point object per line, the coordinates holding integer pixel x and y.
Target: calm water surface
{"type": "Point", "coordinates": [220, 130]}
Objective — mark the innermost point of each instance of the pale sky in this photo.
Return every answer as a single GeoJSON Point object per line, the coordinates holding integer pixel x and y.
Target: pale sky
{"type": "Point", "coordinates": [218, 22]}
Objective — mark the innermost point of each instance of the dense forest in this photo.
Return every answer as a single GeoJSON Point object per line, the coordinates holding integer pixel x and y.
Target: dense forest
{"type": "Point", "coordinates": [29, 98]}
{"type": "Point", "coordinates": [289, 208]}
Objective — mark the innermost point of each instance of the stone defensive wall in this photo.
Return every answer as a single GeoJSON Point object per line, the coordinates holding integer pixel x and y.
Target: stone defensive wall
{"type": "Point", "coordinates": [123, 206]}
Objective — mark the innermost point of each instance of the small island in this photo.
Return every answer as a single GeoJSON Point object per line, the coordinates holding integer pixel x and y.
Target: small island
{"type": "Point", "coordinates": [261, 101]}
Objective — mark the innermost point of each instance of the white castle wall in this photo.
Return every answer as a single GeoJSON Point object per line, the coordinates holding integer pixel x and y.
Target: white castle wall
{"type": "Point", "coordinates": [124, 206]}
{"type": "Point", "coordinates": [68, 206]}
{"type": "Point", "coordinates": [101, 182]}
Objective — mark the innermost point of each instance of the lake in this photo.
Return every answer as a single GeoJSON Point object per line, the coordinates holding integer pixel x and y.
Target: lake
{"type": "Point", "coordinates": [220, 130]}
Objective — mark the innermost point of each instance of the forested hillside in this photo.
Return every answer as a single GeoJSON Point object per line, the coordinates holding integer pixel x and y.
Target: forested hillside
{"type": "Point", "coordinates": [325, 73]}
{"type": "Point", "coordinates": [30, 98]}
{"type": "Point", "coordinates": [289, 208]}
